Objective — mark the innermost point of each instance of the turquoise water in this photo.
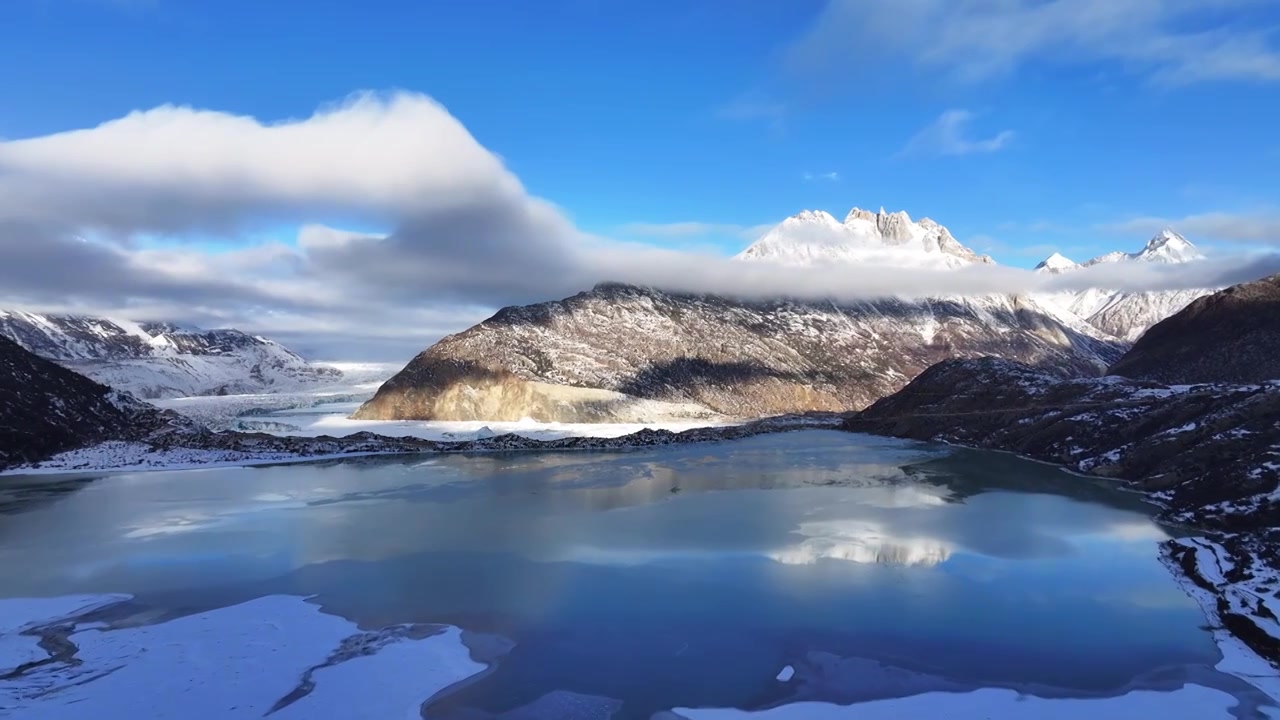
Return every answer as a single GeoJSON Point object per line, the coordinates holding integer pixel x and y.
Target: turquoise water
{"type": "Point", "coordinates": [658, 578]}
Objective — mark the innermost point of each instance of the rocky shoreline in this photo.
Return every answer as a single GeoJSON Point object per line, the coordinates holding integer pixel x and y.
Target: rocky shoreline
{"type": "Point", "coordinates": [1209, 454]}
{"type": "Point", "coordinates": [193, 446]}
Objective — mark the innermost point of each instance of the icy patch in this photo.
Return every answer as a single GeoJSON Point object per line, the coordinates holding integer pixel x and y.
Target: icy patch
{"type": "Point", "coordinates": [1191, 701]}
{"type": "Point", "coordinates": [20, 614]}
{"type": "Point", "coordinates": [787, 673]}
{"type": "Point", "coordinates": [276, 653]}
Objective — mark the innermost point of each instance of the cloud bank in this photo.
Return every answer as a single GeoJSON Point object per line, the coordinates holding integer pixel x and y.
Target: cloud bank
{"type": "Point", "coordinates": [150, 217]}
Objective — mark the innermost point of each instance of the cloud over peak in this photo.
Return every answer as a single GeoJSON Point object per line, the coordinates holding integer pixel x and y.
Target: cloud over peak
{"type": "Point", "coordinates": [80, 213]}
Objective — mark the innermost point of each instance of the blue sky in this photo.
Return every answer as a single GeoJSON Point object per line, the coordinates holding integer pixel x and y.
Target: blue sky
{"type": "Point", "coordinates": [629, 114]}
{"type": "Point", "coordinates": [1025, 126]}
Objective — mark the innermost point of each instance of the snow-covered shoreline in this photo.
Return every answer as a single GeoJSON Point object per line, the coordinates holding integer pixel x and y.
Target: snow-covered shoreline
{"type": "Point", "coordinates": [243, 450]}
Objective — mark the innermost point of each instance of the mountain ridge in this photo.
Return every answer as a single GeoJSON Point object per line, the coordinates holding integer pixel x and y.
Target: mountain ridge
{"type": "Point", "coordinates": [1126, 314]}
{"type": "Point", "coordinates": [161, 360]}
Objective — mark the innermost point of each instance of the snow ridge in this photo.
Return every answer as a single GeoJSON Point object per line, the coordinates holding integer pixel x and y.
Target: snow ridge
{"type": "Point", "coordinates": [161, 360]}
{"type": "Point", "coordinates": [814, 237]}
{"type": "Point", "coordinates": [1125, 314]}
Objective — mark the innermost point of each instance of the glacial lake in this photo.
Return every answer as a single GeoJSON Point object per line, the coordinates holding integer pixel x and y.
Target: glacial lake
{"type": "Point", "coordinates": [674, 577]}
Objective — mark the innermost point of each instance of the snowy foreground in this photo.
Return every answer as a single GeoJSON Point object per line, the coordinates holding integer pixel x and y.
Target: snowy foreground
{"type": "Point", "coordinates": [278, 655]}
{"type": "Point", "coordinates": [281, 655]}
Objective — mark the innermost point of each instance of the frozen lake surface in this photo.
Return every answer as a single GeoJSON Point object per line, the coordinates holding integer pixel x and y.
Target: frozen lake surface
{"type": "Point", "coordinates": [801, 575]}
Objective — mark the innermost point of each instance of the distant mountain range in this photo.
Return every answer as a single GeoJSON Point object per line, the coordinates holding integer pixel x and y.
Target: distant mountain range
{"type": "Point", "coordinates": [1127, 315]}
{"type": "Point", "coordinates": [162, 360]}
{"type": "Point", "coordinates": [622, 353]}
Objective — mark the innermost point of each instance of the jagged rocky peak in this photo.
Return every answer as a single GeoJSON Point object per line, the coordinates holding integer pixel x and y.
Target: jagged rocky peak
{"type": "Point", "coordinates": [1056, 263]}
{"type": "Point", "coordinates": [887, 238]}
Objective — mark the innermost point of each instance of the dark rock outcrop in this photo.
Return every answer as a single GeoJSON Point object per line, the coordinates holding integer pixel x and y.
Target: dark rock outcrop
{"type": "Point", "coordinates": [613, 352]}
{"type": "Point", "coordinates": [46, 409]}
{"type": "Point", "coordinates": [1230, 336]}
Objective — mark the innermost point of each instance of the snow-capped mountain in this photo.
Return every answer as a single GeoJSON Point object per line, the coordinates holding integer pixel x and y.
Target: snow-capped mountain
{"type": "Point", "coordinates": [1124, 314]}
{"type": "Point", "coordinates": [815, 237]}
{"type": "Point", "coordinates": [620, 353]}
{"type": "Point", "coordinates": [1056, 263]}
{"type": "Point", "coordinates": [160, 360]}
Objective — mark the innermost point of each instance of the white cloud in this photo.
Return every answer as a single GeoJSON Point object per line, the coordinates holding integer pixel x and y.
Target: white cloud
{"type": "Point", "coordinates": [1169, 41]}
{"type": "Point", "coordinates": [174, 168]}
{"type": "Point", "coordinates": [948, 136]}
{"type": "Point", "coordinates": [1262, 227]}
{"type": "Point", "coordinates": [465, 237]}
{"type": "Point", "coordinates": [830, 176]}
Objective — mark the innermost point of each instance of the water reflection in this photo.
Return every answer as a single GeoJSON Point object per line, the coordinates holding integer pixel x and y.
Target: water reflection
{"type": "Point", "coordinates": [675, 576]}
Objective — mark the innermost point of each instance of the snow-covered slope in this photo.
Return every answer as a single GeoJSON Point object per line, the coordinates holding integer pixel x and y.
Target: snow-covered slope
{"type": "Point", "coordinates": [815, 237]}
{"type": "Point", "coordinates": [160, 360]}
{"type": "Point", "coordinates": [605, 354]}
{"type": "Point", "coordinates": [1126, 315]}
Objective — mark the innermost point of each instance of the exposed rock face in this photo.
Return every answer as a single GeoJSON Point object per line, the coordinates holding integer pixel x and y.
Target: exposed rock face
{"type": "Point", "coordinates": [1229, 336]}
{"type": "Point", "coordinates": [46, 409]}
{"type": "Point", "coordinates": [612, 352]}
{"type": "Point", "coordinates": [160, 360]}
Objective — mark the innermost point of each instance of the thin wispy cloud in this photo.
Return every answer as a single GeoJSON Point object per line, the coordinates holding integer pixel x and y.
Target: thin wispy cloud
{"type": "Point", "coordinates": [756, 107]}
{"type": "Point", "coordinates": [1262, 227]}
{"type": "Point", "coordinates": [830, 176]}
{"type": "Point", "coordinates": [950, 134]}
{"type": "Point", "coordinates": [1169, 42]}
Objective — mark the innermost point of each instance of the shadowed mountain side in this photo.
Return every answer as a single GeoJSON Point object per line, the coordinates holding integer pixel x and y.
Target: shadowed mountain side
{"type": "Point", "coordinates": [1230, 336]}
{"type": "Point", "coordinates": [613, 352]}
{"type": "Point", "coordinates": [46, 409]}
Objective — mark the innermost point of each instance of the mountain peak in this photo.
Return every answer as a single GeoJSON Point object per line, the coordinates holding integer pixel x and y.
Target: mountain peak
{"type": "Point", "coordinates": [815, 237]}
{"type": "Point", "coordinates": [1055, 263]}
{"type": "Point", "coordinates": [1169, 246]}
{"type": "Point", "coordinates": [817, 217]}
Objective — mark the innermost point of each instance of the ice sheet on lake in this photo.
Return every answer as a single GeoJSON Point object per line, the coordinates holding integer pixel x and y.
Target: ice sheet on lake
{"type": "Point", "coordinates": [1192, 701]}
{"type": "Point", "coordinates": [277, 652]}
